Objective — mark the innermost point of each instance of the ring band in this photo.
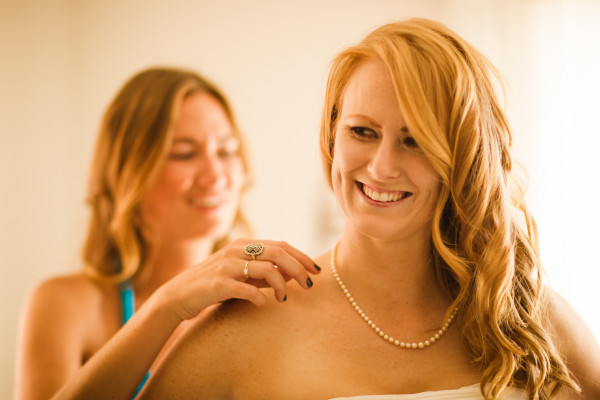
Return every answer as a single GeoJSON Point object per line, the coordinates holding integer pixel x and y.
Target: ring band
{"type": "Point", "coordinates": [254, 249]}
{"type": "Point", "coordinates": [246, 270]}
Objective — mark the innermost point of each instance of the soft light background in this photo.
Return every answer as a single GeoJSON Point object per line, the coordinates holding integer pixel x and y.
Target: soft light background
{"type": "Point", "coordinates": [61, 62]}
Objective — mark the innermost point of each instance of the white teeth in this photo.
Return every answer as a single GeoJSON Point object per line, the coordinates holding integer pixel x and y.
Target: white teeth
{"type": "Point", "coordinates": [384, 197]}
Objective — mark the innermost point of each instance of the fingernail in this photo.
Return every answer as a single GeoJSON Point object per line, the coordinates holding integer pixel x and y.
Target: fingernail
{"type": "Point", "coordinates": [285, 298]}
{"type": "Point", "coordinates": [309, 282]}
{"type": "Point", "coordinates": [317, 267]}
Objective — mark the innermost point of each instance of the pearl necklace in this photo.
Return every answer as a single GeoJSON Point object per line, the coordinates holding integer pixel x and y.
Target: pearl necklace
{"type": "Point", "coordinates": [383, 335]}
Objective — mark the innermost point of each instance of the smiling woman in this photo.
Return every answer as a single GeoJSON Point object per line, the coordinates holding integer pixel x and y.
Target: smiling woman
{"type": "Point", "coordinates": [203, 175]}
{"type": "Point", "coordinates": [375, 152]}
{"type": "Point", "coordinates": [165, 188]}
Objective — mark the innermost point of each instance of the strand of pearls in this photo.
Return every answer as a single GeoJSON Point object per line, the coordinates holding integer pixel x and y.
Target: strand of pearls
{"type": "Point", "coordinates": [383, 335]}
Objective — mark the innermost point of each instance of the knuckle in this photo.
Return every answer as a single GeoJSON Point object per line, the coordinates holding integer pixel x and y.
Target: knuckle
{"type": "Point", "coordinates": [293, 268]}
{"type": "Point", "coordinates": [218, 284]}
{"type": "Point", "coordinates": [253, 290]}
{"type": "Point", "coordinates": [230, 251]}
{"type": "Point", "coordinates": [299, 271]}
{"type": "Point", "coordinates": [268, 266]}
{"type": "Point", "coordinates": [278, 250]}
{"type": "Point", "coordinates": [221, 267]}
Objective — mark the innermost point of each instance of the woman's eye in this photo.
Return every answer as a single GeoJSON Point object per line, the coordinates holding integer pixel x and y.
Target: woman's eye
{"type": "Point", "coordinates": [362, 132]}
{"type": "Point", "coordinates": [409, 141]}
{"type": "Point", "coordinates": [228, 148]}
{"type": "Point", "coordinates": [182, 156]}
{"type": "Point", "coordinates": [229, 151]}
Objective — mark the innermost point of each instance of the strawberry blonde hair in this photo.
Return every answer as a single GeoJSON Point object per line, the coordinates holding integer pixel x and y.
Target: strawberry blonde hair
{"type": "Point", "coordinates": [133, 143]}
{"type": "Point", "coordinates": [484, 240]}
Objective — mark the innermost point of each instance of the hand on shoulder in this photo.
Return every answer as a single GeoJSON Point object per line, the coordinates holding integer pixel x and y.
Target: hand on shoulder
{"type": "Point", "coordinates": [231, 273]}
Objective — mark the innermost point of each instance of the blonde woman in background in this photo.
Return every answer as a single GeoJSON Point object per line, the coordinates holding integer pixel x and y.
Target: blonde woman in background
{"type": "Point", "coordinates": [435, 289]}
{"type": "Point", "coordinates": [166, 182]}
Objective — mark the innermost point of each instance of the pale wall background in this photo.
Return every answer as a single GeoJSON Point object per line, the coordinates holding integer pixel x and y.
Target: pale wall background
{"type": "Point", "coordinates": [61, 61]}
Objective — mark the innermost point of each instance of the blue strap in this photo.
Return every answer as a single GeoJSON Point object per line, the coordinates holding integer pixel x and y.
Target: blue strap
{"type": "Point", "coordinates": [141, 384]}
{"type": "Point", "coordinates": [128, 303]}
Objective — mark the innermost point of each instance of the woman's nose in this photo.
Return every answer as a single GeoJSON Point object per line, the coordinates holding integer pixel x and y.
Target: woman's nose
{"type": "Point", "coordinates": [385, 161]}
{"type": "Point", "coordinates": [210, 170]}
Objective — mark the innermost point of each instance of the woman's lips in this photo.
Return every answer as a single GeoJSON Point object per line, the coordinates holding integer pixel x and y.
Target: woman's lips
{"type": "Point", "coordinates": [209, 201]}
{"type": "Point", "coordinates": [383, 196]}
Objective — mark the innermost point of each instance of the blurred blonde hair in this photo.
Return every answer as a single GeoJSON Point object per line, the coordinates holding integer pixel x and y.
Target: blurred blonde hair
{"type": "Point", "coordinates": [483, 238]}
{"type": "Point", "coordinates": [133, 143]}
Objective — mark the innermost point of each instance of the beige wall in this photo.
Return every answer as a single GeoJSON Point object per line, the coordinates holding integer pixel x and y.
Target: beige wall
{"type": "Point", "coordinates": [61, 62]}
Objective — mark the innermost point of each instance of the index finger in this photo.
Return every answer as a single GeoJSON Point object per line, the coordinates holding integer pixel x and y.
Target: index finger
{"type": "Point", "coordinates": [305, 260]}
{"type": "Point", "coordinates": [291, 261]}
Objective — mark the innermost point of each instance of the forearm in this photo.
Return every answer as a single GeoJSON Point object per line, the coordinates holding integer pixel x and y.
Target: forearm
{"type": "Point", "coordinates": [116, 370]}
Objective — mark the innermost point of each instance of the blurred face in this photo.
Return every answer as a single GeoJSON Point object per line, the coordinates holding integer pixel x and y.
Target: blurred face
{"type": "Point", "coordinates": [383, 182]}
{"type": "Point", "coordinates": [198, 191]}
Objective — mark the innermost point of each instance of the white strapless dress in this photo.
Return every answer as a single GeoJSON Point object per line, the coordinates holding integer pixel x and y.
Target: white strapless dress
{"type": "Point", "coordinates": [464, 393]}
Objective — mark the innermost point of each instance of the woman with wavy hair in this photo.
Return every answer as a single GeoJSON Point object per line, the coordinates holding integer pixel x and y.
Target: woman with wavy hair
{"type": "Point", "coordinates": [435, 289]}
{"type": "Point", "coordinates": [165, 189]}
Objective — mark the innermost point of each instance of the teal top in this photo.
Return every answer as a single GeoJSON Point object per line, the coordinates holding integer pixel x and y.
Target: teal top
{"type": "Point", "coordinates": [128, 307]}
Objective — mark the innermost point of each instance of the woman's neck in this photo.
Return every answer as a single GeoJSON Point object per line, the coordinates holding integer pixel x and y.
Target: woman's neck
{"type": "Point", "coordinates": [401, 267]}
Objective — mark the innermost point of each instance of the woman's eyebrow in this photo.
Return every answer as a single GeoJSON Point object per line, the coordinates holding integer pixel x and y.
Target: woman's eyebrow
{"type": "Point", "coordinates": [365, 117]}
{"type": "Point", "coordinates": [222, 139]}
{"type": "Point", "coordinates": [404, 129]}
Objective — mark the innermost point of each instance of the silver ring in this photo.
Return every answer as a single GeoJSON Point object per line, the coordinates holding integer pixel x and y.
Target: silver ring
{"type": "Point", "coordinates": [254, 249]}
{"type": "Point", "coordinates": [246, 270]}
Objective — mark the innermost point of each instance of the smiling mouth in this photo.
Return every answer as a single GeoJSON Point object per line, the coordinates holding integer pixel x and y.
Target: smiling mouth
{"type": "Point", "coordinates": [208, 201]}
{"type": "Point", "coordinates": [383, 196]}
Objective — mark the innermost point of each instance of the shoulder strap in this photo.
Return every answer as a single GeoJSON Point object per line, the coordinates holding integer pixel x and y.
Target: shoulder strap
{"type": "Point", "coordinates": [127, 301]}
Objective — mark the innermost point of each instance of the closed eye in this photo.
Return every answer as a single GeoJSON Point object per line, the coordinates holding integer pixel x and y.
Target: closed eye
{"type": "Point", "coordinates": [228, 152]}
{"type": "Point", "coordinates": [182, 156]}
{"type": "Point", "coordinates": [229, 147]}
{"type": "Point", "coordinates": [183, 148]}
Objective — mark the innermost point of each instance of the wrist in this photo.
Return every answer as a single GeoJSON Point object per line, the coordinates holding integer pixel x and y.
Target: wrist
{"type": "Point", "coordinates": [161, 306]}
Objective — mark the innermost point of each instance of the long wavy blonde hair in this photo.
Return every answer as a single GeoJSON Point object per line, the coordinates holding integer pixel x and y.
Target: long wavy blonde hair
{"type": "Point", "coordinates": [483, 238]}
{"type": "Point", "coordinates": [133, 143]}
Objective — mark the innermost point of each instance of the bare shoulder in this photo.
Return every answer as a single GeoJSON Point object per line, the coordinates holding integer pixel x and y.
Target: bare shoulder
{"type": "Point", "coordinates": [576, 343]}
{"type": "Point", "coordinates": [60, 328]}
{"type": "Point", "coordinates": [568, 327]}
{"type": "Point", "coordinates": [221, 349]}
{"type": "Point", "coordinates": [70, 294]}
{"type": "Point", "coordinates": [201, 360]}
{"type": "Point", "coordinates": [69, 283]}
{"type": "Point", "coordinates": [69, 300]}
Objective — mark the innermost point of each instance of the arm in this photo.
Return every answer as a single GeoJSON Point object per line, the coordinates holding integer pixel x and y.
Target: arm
{"type": "Point", "coordinates": [117, 368]}
{"type": "Point", "coordinates": [578, 345]}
